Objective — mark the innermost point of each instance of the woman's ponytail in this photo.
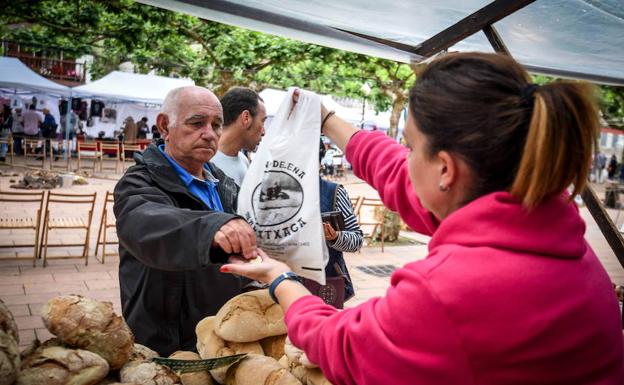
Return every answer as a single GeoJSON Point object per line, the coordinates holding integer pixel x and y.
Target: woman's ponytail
{"type": "Point", "coordinates": [560, 141]}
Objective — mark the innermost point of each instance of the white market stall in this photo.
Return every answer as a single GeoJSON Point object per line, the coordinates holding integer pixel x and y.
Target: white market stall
{"type": "Point", "coordinates": [20, 85]}
{"type": "Point", "coordinates": [126, 94]}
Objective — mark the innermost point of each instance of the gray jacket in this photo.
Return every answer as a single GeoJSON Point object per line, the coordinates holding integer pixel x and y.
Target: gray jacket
{"type": "Point", "coordinates": [168, 273]}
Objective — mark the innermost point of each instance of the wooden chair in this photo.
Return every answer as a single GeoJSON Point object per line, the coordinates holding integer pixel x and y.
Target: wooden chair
{"type": "Point", "coordinates": [88, 150]}
{"type": "Point", "coordinates": [54, 219]}
{"type": "Point", "coordinates": [22, 211]}
{"type": "Point", "coordinates": [107, 148]}
{"type": "Point", "coordinates": [356, 202]}
{"type": "Point", "coordinates": [30, 147]}
{"type": "Point", "coordinates": [130, 147]}
{"type": "Point", "coordinates": [57, 162]}
{"type": "Point", "coordinates": [105, 224]}
{"type": "Point", "coordinates": [369, 222]}
{"type": "Point", "coordinates": [8, 141]}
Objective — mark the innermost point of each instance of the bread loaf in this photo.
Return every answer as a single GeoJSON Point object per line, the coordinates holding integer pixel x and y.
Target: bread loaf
{"type": "Point", "coordinates": [148, 373]}
{"type": "Point", "coordinates": [193, 378]}
{"type": "Point", "coordinates": [250, 317]}
{"type": "Point", "coordinates": [210, 345]}
{"type": "Point", "coordinates": [142, 353]}
{"type": "Point", "coordinates": [309, 376]}
{"type": "Point", "coordinates": [9, 358]}
{"type": "Point", "coordinates": [273, 346]}
{"type": "Point", "coordinates": [255, 369]}
{"type": "Point", "coordinates": [61, 366]}
{"type": "Point", "coordinates": [92, 325]}
{"type": "Point", "coordinates": [296, 355]}
{"type": "Point", "coordinates": [7, 322]}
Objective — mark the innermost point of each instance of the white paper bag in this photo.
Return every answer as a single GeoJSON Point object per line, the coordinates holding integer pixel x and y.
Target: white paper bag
{"type": "Point", "coordinates": [279, 196]}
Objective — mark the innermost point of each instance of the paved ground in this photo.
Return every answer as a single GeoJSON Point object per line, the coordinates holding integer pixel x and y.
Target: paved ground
{"type": "Point", "coordinates": [24, 288]}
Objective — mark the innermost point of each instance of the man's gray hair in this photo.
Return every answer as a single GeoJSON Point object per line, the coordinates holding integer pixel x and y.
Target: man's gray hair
{"type": "Point", "coordinates": [170, 105]}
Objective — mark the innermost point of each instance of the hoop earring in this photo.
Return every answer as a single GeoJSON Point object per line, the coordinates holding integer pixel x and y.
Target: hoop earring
{"type": "Point", "coordinates": [443, 188]}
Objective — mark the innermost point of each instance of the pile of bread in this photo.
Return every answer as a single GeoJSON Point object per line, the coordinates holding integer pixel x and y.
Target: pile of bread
{"type": "Point", "coordinates": [94, 346]}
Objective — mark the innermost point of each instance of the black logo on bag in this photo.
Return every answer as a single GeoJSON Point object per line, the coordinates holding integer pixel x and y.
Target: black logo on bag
{"type": "Point", "coordinates": [277, 199]}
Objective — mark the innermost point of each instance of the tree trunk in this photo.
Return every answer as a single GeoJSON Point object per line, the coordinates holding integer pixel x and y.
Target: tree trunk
{"type": "Point", "coordinates": [395, 116]}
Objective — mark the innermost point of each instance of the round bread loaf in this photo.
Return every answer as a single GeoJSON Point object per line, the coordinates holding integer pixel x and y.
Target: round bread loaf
{"type": "Point", "coordinates": [210, 345]}
{"type": "Point", "coordinates": [7, 322]}
{"type": "Point", "coordinates": [250, 317]}
{"type": "Point", "coordinates": [91, 325]}
{"type": "Point", "coordinates": [193, 378]}
{"type": "Point", "coordinates": [255, 369]}
{"type": "Point", "coordinates": [9, 358]}
{"type": "Point", "coordinates": [57, 365]}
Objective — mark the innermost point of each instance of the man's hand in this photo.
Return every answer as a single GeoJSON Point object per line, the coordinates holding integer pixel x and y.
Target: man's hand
{"type": "Point", "coordinates": [237, 237]}
{"type": "Point", "coordinates": [330, 233]}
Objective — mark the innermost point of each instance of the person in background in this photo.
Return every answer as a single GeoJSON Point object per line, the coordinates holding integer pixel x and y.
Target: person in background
{"type": "Point", "coordinates": [243, 127]}
{"type": "Point", "coordinates": [612, 168]}
{"type": "Point", "coordinates": [31, 119]}
{"type": "Point", "coordinates": [17, 131]}
{"type": "Point", "coordinates": [130, 130]}
{"type": "Point", "coordinates": [155, 133]}
{"type": "Point", "coordinates": [177, 223]}
{"type": "Point", "coordinates": [6, 123]}
{"type": "Point", "coordinates": [491, 303]}
{"type": "Point", "coordinates": [48, 130]}
{"type": "Point", "coordinates": [142, 128]}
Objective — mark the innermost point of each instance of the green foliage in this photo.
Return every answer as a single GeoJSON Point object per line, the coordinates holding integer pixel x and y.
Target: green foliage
{"type": "Point", "coordinates": [214, 55]}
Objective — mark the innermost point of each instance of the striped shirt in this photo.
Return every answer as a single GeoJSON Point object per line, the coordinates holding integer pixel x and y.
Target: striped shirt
{"type": "Point", "coordinates": [351, 238]}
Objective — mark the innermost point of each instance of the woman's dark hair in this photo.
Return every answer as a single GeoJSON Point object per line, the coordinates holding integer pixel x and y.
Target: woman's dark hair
{"type": "Point", "coordinates": [533, 141]}
{"type": "Point", "coordinates": [237, 100]}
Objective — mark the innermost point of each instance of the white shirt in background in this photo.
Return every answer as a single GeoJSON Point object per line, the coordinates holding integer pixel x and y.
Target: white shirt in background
{"type": "Point", "coordinates": [233, 166]}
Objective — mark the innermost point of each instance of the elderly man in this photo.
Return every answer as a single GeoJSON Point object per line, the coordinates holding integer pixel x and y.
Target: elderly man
{"type": "Point", "coordinates": [244, 115]}
{"type": "Point", "coordinates": [175, 226]}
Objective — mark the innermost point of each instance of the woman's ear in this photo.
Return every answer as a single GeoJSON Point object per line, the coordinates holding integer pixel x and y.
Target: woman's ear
{"type": "Point", "coordinates": [448, 164]}
{"type": "Point", "coordinates": [162, 122]}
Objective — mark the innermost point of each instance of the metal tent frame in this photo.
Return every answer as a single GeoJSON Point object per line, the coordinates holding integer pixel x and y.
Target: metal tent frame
{"type": "Point", "coordinates": [481, 20]}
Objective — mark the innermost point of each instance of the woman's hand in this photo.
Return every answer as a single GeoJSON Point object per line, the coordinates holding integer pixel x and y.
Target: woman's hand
{"type": "Point", "coordinates": [330, 233]}
{"type": "Point", "coordinates": [264, 272]}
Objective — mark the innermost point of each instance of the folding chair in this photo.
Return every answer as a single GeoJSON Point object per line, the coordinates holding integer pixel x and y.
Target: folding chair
{"type": "Point", "coordinates": [356, 202]}
{"type": "Point", "coordinates": [8, 141]}
{"type": "Point", "coordinates": [54, 219]}
{"type": "Point", "coordinates": [115, 148]}
{"type": "Point", "coordinates": [105, 224]}
{"type": "Point", "coordinates": [88, 150]}
{"type": "Point", "coordinates": [30, 148]}
{"type": "Point", "coordinates": [57, 162]}
{"type": "Point", "coordinates": [22, 211]}
{"type": "Point", "coordinates": [369, 221]}
{"type": "Point", "coordinates": [131, 147]}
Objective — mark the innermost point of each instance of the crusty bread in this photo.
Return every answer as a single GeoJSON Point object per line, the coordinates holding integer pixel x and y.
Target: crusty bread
{"type": "Point", "coordinates": [148, 373]}
{"type": "Point", "coordinates": [91, 325]}
{"type": "Point", "coordinates": [309, 376]}
{"type": "Point", "coordinates": [57, 365]}
{"type": "Point", "coordinates": [142, 353]}
{"type": "Point", "coordinates": [296, 355]}
{"type": "Point", "coordinates": [273, 346]}
{"type": "Point", "coordinates": [9, 358]}
{"type": "Point", "coordinates": [250, 317]}
{"type": "Point", "coordinates": [210, 345]}
{"type": "Point", "coordinates": [256, 369]}
{"type": "Point", "coordinates": [193, 378]}
{"type": "Point", "coordinates": [7, 322]}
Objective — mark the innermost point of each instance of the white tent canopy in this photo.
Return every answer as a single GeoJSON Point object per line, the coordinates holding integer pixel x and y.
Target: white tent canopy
{"type": "Point", "coordinates": [566, 38]}
{"type": "Point", "coordinates": [17, 78]}
{"type": "Point", "coordinates": [130, 87]}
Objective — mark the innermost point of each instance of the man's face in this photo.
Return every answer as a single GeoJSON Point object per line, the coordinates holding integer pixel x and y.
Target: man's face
{"type": "Point", "coordinates": [254, 133]}
{"type": "Point", "coordinates": [193, 137]}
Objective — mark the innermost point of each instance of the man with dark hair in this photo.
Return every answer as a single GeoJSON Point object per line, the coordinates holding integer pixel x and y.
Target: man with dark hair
{"type": "Point", "coordinates": [243, 126]}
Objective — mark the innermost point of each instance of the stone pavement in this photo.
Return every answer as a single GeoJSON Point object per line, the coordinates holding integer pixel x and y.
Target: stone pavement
{"type": "Point", "coordinates": [25, 289]}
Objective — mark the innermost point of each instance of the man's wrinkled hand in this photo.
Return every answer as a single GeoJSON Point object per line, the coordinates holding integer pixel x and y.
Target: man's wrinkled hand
{"type": "Point", "coordinates": [237, 237]}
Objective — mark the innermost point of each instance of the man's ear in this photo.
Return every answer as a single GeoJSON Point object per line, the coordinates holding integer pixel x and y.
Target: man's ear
{"type": "Point", "coordinates": [162, 122]}
{"type": "Point", "coordinates": [246, 119]}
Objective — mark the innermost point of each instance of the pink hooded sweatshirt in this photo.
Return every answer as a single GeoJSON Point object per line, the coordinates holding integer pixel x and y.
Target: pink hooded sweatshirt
{"type": "Point", "coordinates": [505, 296]}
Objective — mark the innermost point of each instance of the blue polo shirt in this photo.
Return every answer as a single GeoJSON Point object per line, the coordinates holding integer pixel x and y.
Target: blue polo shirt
{"type": "Point", "coordinates": [206, 190]}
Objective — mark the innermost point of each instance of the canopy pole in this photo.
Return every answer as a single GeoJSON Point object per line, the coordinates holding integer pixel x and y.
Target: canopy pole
{"type": "Point", "coordinates": [596, 209]}
{"type": "Point", "coordinates": [68, 114]}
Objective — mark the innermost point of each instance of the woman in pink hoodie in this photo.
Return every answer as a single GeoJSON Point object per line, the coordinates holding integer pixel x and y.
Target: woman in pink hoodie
{"type": "Point", "coordinates": [510, 292]}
